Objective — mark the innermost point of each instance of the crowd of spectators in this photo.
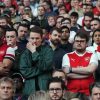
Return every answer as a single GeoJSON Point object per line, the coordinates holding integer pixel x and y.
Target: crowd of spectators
{"type": "Point", "coordinates": [49, 49]}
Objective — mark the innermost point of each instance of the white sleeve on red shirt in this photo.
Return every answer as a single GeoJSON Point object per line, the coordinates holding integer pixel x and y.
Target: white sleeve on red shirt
{"type": "Point", "coordinates": [65, 61]}
{"type": "Point", "coordinates": [10, 53]}
{"type": "Point", "coordinates": [94, 59]}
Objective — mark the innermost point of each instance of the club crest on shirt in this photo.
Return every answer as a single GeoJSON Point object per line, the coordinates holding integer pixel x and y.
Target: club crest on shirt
{"type": "Point", "coordinates": [87, 59]}
{"type": "Point", "coordinates": [2, 52]}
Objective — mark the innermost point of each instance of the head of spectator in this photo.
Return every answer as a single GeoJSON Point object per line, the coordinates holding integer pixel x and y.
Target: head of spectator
{"type": "Point", "coordinates": [7, 88]}
{"type": "Point", "coordinates": [2, 7]}
{"type": "Point", "coordinates": [72, 3]}
{"type": "Point", "coordinates": [21, 9]}
{"type": "Point", "coordinates": [96, 36]}
{"type": "Point", "coordinates": [22, 32]}
{"type": "Point", "coordinates": [51, 20]}
{"type": "Point", "coordinates": [7, 3]}
{"type": "Point", "coordinates": [19, 83]}
{"type": "Point", "coordinates": [58, 21]}
{"type": "Point", "coordinates": [95, 91]}
{"type": "Point", "coordinates": [60, 2]}
{"type": "Point", "coordinates": [46, 5]}
{"type": "Point", "coordinates": [27, 14]}
{"type": "Point", "coordinates": [41, 11]}
{"type": "Point", "coordinates": [88, 1]}
{"type": "Point", "coordinates": [95, 24]}
{"type": "Point", "coordinates": [35, 36]}
{"type": "Point", "coordinates": [65, 34]}
{"type": "Point", "coordinates": [89, 8]}
{"type": "Point", "coordinates": [39, 95]}
{"type": "Point", "coordinates": [15, 25]}
{"type": "Point", "coordinates": [66, 22]}
{"type": "Point", "coordinates": [2, 35]}
{"type": "Point", "coordinates": [60, 74]}
{"type": "Point", "coordinates": [55, 37]}
{"type": "Point", "coordinates": [26, 3]}
{"type": "Point", "coordinates": [13, 10]}
{"type": "Point", "coordinates": [3, 21]}
{"type": "Point", "coordinates": [11, 37]}
{"type": "Point", "coordinates": [84, 8]}
{"type": "Point", "coordinates": [62, 9]}
{"type": "Point", "coordinates": [76, 4]}
{"type": "Point", "coordinates": [80, 42]}
{"type": "Point", "coordinates": [87, 20]}
{"type": "Point", "coordinates": [74, 18]}
{"type": "Point", "coordinates": [56, 88]}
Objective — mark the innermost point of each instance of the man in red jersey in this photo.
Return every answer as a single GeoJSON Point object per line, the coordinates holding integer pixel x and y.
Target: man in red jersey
{"type": "Point", "coordinates": [6, 55]}
{"type": "Point", "coordinates": [80, 66]}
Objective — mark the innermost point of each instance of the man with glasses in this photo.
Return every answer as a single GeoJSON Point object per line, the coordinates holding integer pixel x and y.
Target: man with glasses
{"type": "Point", "coordinates": [56, 89]}
{"type": "Point", "coordinates": [80, 66]}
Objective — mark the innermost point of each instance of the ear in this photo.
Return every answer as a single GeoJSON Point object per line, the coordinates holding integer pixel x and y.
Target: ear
{"type": "Point", "coordinates": [49, 36]}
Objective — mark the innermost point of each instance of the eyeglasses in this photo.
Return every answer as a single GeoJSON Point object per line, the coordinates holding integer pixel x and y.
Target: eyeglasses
{"type": "Point", "coordinates": [55, 89]}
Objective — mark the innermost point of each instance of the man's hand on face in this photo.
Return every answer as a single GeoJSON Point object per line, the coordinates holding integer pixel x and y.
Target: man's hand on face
{"type": "Point", "coordinates": [32, 47]}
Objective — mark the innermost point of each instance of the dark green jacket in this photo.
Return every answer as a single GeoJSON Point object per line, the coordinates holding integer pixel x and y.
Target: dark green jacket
{"type": "Point", "coordinates": [36, 68]}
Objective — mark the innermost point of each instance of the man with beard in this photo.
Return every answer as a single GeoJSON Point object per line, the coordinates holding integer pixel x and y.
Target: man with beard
{"type": "Point", "coordinates": [80, 66]}
{"type": "Point", "coordinates": [55, 41]}
{"type": "Point", "coordinates": [65, 45]}
{"type": "Point", "coordinates": [56, 89]}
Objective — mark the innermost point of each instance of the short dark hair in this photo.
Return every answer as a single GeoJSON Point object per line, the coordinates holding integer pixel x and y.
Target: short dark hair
{"type": "Point", "coordinates": [95, 84]}
{"type": "Point", "coordinates": [63, 27]}
{"type": "Point", "coordinates": [97, 30]}
{"type": "Point", "coordinates": [12, 29]}
{"type": "Point", "coordinates": [89, 14]}
{"type": "Point", "coordinates": [36, 29]}
{"type": "Point", "coordinates": [66, 19]}
{"type": "Point", "coordinates": [96, 19]}
{"type": "Point", "coordinates": [75, 14]}
{"type": "Point", "coordinates": [23, 25]}
{"type": "Point", "coordinates": [55, 29]}
{"type": "Point", "coordinates": [82, 35]}
{"type": "Point", "coordinates": [56, 80]}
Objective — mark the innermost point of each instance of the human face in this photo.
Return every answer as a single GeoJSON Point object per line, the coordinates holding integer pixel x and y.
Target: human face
{"type": "Point", "coordinates": [26, 3]}
{"type": "Point", "coordinates": [66, 23]}
{"type": "Point", "coordinates": [65, 34]}
{"type": "Point", "coordinates": [58, 23]}
{"type": "Point", "coordinates": [35, 38]}
{"type": "Point", "coordinates": [11, 38]}
{"type": "Point", "coordinates": [95, 93]}
{"type": "Point", "coordinates": [41, 11]}
{"type": "Point", "coordinates": [88, 1]}
{"type": "Point", "coordinates": [62, 10]}
{"type": "Point", "coordinates": [95, 25]}
{"type": "Point", "coordinates": [55, 91]}
{"type": "Point", "coordinates": [7, 3]}
{"type": "Point", "coordinates": [51, 21]}
{"type": "Point", "coordinates": [87, 21]}
{"type": "Point", "coordinates": [3, 22]}
{"type": "Point", "coordinates": [73, 20]}
{"type": "Point", "coordinates": [55, 38]}
{"type": "Point", "coordinates": [22, 32]}
{"type": "Point", "coordinates": [84, 9]}
{"type": "Point", "coordinates": [96, 37]}
{"type": "Point", "coordinates": [6, 91]}
{"type": "Point", "coordinates": [80, 44]}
